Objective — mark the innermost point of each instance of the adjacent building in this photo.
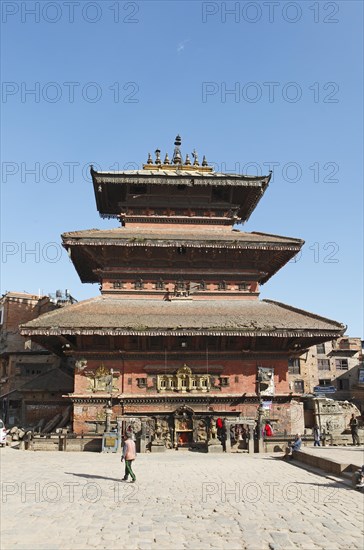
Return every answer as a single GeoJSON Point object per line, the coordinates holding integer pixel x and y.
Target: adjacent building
{"type": "Point", "coordinates": [178, 336]}
{"type": "Point", "coordinates": [32, 379]}
{"type": "Point", "coordinates": [332, 368]}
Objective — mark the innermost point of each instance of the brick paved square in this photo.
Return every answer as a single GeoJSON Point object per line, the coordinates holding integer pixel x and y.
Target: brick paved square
{"type": "Point", "coordinates": [181, 500]}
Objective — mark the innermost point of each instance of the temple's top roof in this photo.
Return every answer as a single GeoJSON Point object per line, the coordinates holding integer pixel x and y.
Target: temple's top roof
{"type": "Point", "coordinates": [198, 191]}
{"type": "Point", "coordinates": [120, 316]}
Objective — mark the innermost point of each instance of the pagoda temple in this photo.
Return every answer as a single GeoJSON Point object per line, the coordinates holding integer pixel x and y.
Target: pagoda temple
{"type": "Point", "coordinates": [178, 336]}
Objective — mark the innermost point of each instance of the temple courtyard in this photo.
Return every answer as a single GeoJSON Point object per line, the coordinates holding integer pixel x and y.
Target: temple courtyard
{"type": "Point", "coordinates": [54, 500]}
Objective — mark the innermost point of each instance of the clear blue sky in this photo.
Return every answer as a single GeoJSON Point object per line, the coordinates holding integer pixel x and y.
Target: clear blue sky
{"type": "Point", "coordinates": [115, 80]}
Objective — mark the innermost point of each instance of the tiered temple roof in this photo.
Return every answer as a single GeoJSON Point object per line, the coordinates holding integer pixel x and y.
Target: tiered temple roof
{"type": "Point", "coordinates": [119, 316]}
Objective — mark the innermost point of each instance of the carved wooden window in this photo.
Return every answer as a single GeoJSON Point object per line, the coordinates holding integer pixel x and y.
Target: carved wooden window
{"type": "Point", "coordinates": [118, 284]}
{"type": "Point", "coordinates": [243, 286]}
{"type": "Point", "coordinates": [222, 285]}
{"type": "Point", "coordinates": [139, 284]}
{"type": "Point", "coordinates": [142, 382]}
{"type": "Point", "coordinates": [224, 381]}
{"type": "Point", "coordinates": [180, 285]}
{"type": "Point", "coordinates": [160, 285]}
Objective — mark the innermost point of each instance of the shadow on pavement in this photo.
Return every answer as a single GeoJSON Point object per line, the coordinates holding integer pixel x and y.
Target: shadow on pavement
{"type": "Point", "coordinates": [90, 476]}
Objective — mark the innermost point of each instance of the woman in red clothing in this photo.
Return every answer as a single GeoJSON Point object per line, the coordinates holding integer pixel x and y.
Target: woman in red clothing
{"type": "Point", "coordinates": [268, 430]}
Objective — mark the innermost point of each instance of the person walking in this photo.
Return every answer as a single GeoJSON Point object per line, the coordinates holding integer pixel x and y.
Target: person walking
{"type": "Point", "coordinates": [129, 455]}
{"type": "Point", "coordinates": [354, 429]}
{"type": "Point", "coordinates": [316, 436]}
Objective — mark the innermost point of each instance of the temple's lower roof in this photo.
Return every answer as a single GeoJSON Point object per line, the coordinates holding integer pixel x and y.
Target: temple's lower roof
{"type": "Point", "coordinates": [106, 315]}
{"type": "Point", "coordinates": [232, 238]}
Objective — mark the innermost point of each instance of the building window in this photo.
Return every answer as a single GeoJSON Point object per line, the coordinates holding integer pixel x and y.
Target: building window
{"type": "Point", "coordinates": [160, 285]}
{"type": "Point", "coordinates": [142, 382]}
{"type": "Point", "coordinates": [130, 381]}
{"type": "Point", "coordinates": [236, 379]}
{"type": "Point", "coordinates": [243, 286]}
{"type": "Point", "coordinates": [299, 386]}
{"type": "Point", "coordinates": [323, 364]}
{"type": "Point", "coordinates": [343, 384]}
{"type": "Point", "coordinates": [30, 370]}
{"type": "Point", "coordinates": [294, 366]}
{"type": "Point", "coordinates": [325, 382]}
{"type": "Point", "coordinates": [224, 381]}
{"type": "Point", "coordinates": [139, 284]}
{"type": "Point", "coordinates": [1, 315]}
{"type": "Point", "coordinates": [341, 364]}
{"type": "Point", "coordinates": [221, 285]}
{"type": "Point", "coordinates": [202, 285]}
{"type": "Point", "coordinates": [118, 284]}
{"type": "Point", "coordinates": [320, 348]}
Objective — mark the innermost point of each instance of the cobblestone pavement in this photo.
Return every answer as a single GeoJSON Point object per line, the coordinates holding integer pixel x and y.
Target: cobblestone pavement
{"type": "Point", "coordinates": [180, 500]}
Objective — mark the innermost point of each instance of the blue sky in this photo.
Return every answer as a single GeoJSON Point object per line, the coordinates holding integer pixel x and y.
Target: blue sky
{"type": "Point", "coordinates": [270, 84]}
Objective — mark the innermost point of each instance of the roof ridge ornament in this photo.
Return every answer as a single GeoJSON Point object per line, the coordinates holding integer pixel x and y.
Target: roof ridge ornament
{"type": "Point", "coordinates": [204, 161]}
{"type": "Point", "coordinates": [177, 157]}
{"type": "Point", "coordinates": [158, 156]}
{"type": "Point", "coordinates": [195, 157]}
{"type": "Point", "coordinates": [150, 160]}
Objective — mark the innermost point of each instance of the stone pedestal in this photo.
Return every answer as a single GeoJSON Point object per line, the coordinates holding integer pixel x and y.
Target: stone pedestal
{"type": "Point", "coordinates": [158, 447]}
{"type": "Point", "coordinates": [214, 446]}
